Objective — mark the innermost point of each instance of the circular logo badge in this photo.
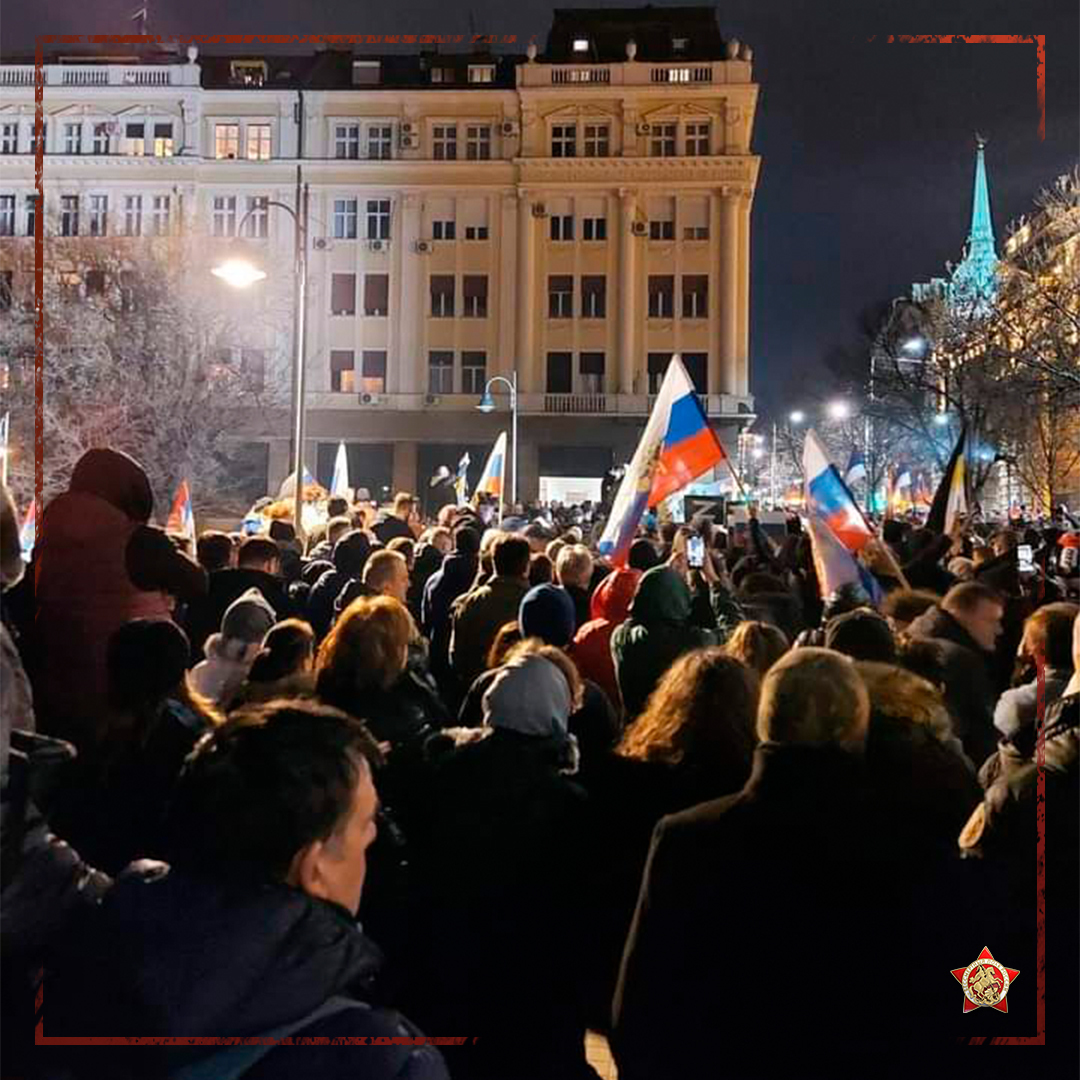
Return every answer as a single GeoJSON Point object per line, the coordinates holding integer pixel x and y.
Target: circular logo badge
{"type": "Point", "coordinates": [985, 982]}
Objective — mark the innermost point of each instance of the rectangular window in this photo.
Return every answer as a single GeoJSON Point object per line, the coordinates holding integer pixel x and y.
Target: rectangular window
{"type": "Point", "coordinates": [31, 214]}
{"type": "Point", "coordinates": [593, 296]}
{"type": "Point", "coordinates": [101, 138]}
{"type": "Point", "coordinates": [73, 138]}
{"type": "Point", "coordinates": [661, 230]}
{"type": "Point", "coordinates": [442, 295]}
{"type": "Point", "coordinates": [224, 220]}
{"type": "Point", "coordinates": [476, 232]}
{"type": "Point", "coordinates": [345, 219]}
{"type": "Point", "coordinates": [474, 291]}
{"type": "Point", "coordinates": [697, 138]}
{"type": "Point", "coordinates": [44, 137]}
{"type": "Point", "coordinates": [227, 141]}
{"type": "Point", "coordinates": [162, 207]}
{"type": "Point", "coordinates": [444, 142]}
{"type": "Point", "coordinates": [373, 372]}
{"type": "Point", "coordinates": [258, 222]}
{"type": "Point", "coordinates": [163, 140]}
{"type": "Point", "coordinates": [478, 142]}
{"type": "Point", "coordinates": [657, 365]}
{"type": "Point", "coordinates": [695, 296]}
{"type": "Point", "coordinates": [342, 294]}
{"type": "Point", "coordinates": [440, 372]}
{"type": "Point", "coordinates": [253, 368]}
{"type": "Point", "coordinates": [560, 373]}
{"type": "Point", "coordinates": [562, 226]}
{"type": "Point", "coordinates": [561, 297]}
{"type": "Point", "coordinates": [342, 371]}
{"type": "Point", "coordinates": [347, 141]}
{"type": "Point", "coordinates": [563, 140]}
{"type": "Point", "coordinates": [133, 215]}
{"type": "Point", "coordinates": [473, 372]}
{"type": "Point", "coordinates": [661, 296]}
{"type": "Point", "coordinates": [663, 140]}
{"type": "Point", "coordinates": [7, 278]}
{"type": "Point", "coordinates": [135, 140]}
{"type": "Point", "coordinates": [7, 215]}
{"type": "Point", "coordinates": [592, 372]}
{"type": "Point", "coordinates": [697, 367]}
{"type": "Point", "coordinates": [481, 73]}
{"type": "Point", "coordinates": [99, 215]}
{"type": "Point", "coordinates": [258, 142]}
{"type": "Point", "coordinates": [380, 138]}
{"type": "Point", "coordinates": [378, 219]}
{"type": "Point", "coordinates": [442, 230]}
{"type": "Point", "coordinates": [377, 294]}
{"type": "Point", "coordinates": [443, 75]}
{"type": "Point", "coordinates": [69, 215]}
{"type": "Point", "coordinates": [694, 217]}
{"type": "Point", "coordinates": [9, 138]}
{"type": "Point", "coordinates": [597, 140]}
{"type": "Point", "coordinates": [594, 228]}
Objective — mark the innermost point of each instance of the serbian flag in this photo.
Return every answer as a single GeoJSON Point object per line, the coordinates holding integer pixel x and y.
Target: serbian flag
{"type": "Point", "coordinates": [950, 499]}
{"type": "Point", "coordinates": [461, 480]}
{"type": "Point", "coordinates": [339, 485]}
{"type": "Point", "coordinates": [182, 518]}
{"type": "Point", "coordinates": [491, 479]}
{"type": "Point", "coordinates": [28, 532]}
{"type": "Point", "coordinates": [828, 496]}
{"type": "Point", "coordinates": [676, 447]}
{"type": "Point", "coordinates": [835, 565]}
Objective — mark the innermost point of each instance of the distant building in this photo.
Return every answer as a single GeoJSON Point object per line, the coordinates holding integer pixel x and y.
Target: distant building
{"type": "Point", "coordinates": [575, 215]}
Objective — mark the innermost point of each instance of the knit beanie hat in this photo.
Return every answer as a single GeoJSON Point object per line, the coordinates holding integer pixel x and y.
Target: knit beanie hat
{"type": "Point", "coordinates": [863, 635]}
{"type": "Point", "coordinates": [530, 696]}
{"type": "Point", "coordinates": [248, 618]}
{"type": "Point", "coordinates": [547, 612]}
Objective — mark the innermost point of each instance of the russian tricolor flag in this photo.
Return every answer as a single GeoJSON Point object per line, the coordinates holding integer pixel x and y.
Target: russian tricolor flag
{"type": "Point", "coordinates": [676, 448]}
{"type": "Point", "coordinates": [828, 496]}
{"type": "Point", "coordinates": [491, 479]}
{"type": "Point", "coordinates": [182, 518]}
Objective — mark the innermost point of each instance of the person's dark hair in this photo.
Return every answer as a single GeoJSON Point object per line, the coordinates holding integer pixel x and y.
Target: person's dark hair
{"type": "Point", "coordinates": [466, 540]}
{"type": "Point", "coordinates": [511, 556]}
{"type": "Point", "coordinates": [256, 550]}
{"type": "Point", "coordinates": [285, 648]}
{"type": "Point", "coordinates": [351, 553]}
{"type": "Point", "coordinates": [291, 565]}
{"type": "Point", "coordinates": [282, 531]}
{"type": "Point", "coordinates": [146, 659]}
{"type": "Point", "coordinates": [540, 570]}
{"type": "Point", "coordinates": [315, 570]}
{"type": "Point", "coordinates": [270, 781]}
{"type": "Point", "coordinates": [906, 605]}
{"type": "Point", "coordinates": [863, 635]}
{"type": "Point", "coordinates": [761, 582]}
{"type": "Point", "coordinates": [643, 555]}
{"type": "Point", "coordinates": [337, 527]}
{"type": "Point", "coordinates": [967, 596]}
{"type": "Point", "coordinates": [214, 550]}
{"type": "Point", "coordinates": [337, 506]}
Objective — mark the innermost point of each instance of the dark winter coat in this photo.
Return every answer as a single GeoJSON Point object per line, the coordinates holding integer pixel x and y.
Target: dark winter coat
{"type": "Point", "coordinates": [204, 615]}
{"type": "Point", "coordinates": [968, 676]}
{"type": "Point", "coordinates": [477, 618]}
{"type": "Point", "coordinates": [155, 965]}
{"type": "Point", "coordinates": [453, 579]}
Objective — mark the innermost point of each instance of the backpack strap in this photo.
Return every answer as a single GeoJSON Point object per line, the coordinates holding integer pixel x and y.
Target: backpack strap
{"type": "Point", "coordinates": [231, 1062]}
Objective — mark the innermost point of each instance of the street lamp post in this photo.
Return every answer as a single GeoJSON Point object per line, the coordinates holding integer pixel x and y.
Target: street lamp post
{"type": "Point", "coordinates": [241, 273]}
{"type": "Point", "coordinates": [487, 404]}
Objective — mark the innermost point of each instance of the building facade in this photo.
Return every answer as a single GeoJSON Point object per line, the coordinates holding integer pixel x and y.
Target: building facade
{"type": "Point", "coordinates": [569, 218]}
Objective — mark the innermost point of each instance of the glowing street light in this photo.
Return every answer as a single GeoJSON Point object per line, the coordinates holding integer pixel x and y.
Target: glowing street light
{"type": "Point", "coordinates": [914, 346]}
{"type": "Point", "coordinates": [239, 272]}
{"type": "Point", "coordinates": [941, 419]}
{"type": "Point", "coordinates": [839, 410]}
{"type": "Point", "coordinates": [797, 417]}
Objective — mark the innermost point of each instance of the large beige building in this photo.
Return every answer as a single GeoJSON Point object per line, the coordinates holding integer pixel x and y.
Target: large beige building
{"type": "Point", "coordinates": [571, 217]}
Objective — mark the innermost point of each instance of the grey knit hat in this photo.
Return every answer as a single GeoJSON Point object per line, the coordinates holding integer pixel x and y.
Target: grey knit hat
{"type": "Point", "coordinates": [248, 618]}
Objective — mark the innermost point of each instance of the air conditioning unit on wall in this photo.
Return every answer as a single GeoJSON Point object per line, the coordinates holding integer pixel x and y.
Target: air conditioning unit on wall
{"type": "Point", "coordinates": [432, 399]}
{"type": "Point", "coordinates": [321, 243]}
{"type": "Point", "coordinates": [378, 245]}
{"type": "Point", "coordinates": [640, 228]}
{"type": "Point", "coordinates": [644, 128]}
{"type": "Point", "coordinates": [409, 127]}
{"type": "Point", "coordinates": [539, 209]}
{"type": "Point", "coordinates": [423, 247]}
{"type": "Point", "coordinates": [509, 127]}
{"type": "Point", "coordinates": [410, 142]}
{"type": "Point", "coordinates": [370, 399]}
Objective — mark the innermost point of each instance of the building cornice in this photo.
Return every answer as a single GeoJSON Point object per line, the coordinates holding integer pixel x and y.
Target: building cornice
{"type": "Point", "coordinates": [728, 169]}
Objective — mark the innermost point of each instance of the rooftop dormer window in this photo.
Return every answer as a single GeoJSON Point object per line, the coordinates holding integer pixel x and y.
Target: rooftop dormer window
{"type": "Point", "coordinates": [679, 44]}
{"type": "Point", "coordinates": [581, 45]}
{"type": "Point", "coordinates": [366, 72]}
{"type": "Point", "coordinates": [481, 73]}
{"type": "Point", "coordinates": [247, 72]}
{"type": "Point", "coordinates": [442, 75]}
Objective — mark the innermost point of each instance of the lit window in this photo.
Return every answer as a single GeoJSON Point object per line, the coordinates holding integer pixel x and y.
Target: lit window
{"type": "Point", "coordinates": [135, 139]}
{"type": "Point", "coordinates": [481, 73]}
{"type": "Point", "coordinates": [227, 141]}
{"type": "Point", "coordinates": [247, 72]}
{"type": "Point", "coordinates": [258, 142]}
{"type": "Point", "coordinates": [163, 140]}
{"type": "Point", "coordinates": [581, 44]}
{"type": "Point", "coordinates": [373, 371]}
{"type": "Point", "coordinates": [678, 75]}
{"type": "Point", "coordinates": [342, 371]}
{"type": "Point", "coordinates": [102, 133]}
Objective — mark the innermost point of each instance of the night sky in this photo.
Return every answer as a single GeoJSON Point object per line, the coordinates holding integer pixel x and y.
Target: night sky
{"type": "Point", "coordinates": [867, 150]}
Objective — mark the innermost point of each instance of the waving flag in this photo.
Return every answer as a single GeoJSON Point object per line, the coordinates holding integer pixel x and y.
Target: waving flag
{"type": "Point", "coordinates": [491, 479]}
{"type": "Point", "coordinates": [461, 481]}
{"type": "Point", "coordinates": [28, 532]}
{"type": "Point", "coordinates": [676, 447]}
{"type": "Point", "coordinates": [828, 497]}
{"type": "Point", "coordinates": [182, 518]}
{"type": "Point", "coordinates": [950, 499]}
{"type": "Point", "coordinates": [835, 565]}
{"type": "Point", "coordinates": [856, 468]}
{"type": "Point", "coordinates": [340, 483]}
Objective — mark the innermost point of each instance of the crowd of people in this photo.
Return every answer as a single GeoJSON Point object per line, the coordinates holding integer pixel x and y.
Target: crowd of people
{"type": "Point", "coordinates": [407, 776]}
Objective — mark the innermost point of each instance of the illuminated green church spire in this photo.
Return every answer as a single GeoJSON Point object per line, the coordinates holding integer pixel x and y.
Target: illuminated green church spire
{"type": "Point", "coordinates": [974, 281]}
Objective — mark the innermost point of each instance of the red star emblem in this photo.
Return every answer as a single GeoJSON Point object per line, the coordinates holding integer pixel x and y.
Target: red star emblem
{"type": "Point", "coordinates": [985, 983]}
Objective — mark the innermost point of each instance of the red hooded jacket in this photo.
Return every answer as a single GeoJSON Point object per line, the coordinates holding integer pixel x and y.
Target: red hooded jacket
{"type": "Point", "coordinates": [592, 643]}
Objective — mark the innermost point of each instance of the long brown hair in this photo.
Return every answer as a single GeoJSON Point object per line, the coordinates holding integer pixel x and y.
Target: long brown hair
{"type": "Point", "coordinates": [365, 649]}
{"type": "Point", "coordinates": [757, 644]}
{"type": "Point", "coordinates": [703, 710]}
